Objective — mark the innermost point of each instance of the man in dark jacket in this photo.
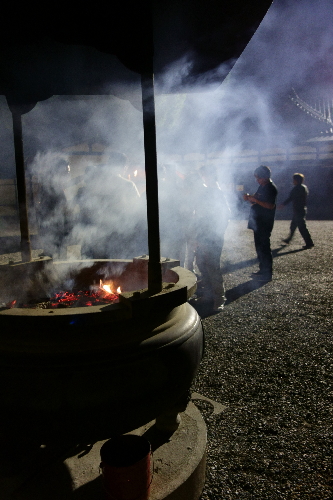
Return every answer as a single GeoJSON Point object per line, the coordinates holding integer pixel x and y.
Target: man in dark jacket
{"type": "Point", "coordinates": [298, 195]}
{"type": "Point", "coordinates": [261, 220]}
{"type": "Point", "coordinates": [211, 219]}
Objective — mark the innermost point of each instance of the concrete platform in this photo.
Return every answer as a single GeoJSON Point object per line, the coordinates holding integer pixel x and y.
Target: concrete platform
{"type": "Point", "coordinates": [179, 464]}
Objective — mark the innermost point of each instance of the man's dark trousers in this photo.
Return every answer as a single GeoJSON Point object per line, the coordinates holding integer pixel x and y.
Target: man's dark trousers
{"type": "Point", "coordinates": [263, 248]}
{"type": "Point", "coordinates": [298, 221]}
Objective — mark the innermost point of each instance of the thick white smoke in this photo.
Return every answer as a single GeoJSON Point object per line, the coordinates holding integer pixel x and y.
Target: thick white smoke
{"type": "Point", "coordinates": [209, 125]}
{"type": "Point", "coordinates": [250, 112]}
{"type": "Point", "coordinates": [103, 214]}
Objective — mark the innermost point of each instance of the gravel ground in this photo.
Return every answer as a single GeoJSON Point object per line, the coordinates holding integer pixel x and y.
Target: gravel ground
{"type": "Point", "coordinates": [268, 360]}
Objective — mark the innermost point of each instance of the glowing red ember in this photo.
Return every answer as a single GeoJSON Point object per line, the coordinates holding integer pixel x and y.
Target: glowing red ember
{"type": "Point", "coordinates": [97, 295]}
{"type": "Point", "coordinates": [83, 298]}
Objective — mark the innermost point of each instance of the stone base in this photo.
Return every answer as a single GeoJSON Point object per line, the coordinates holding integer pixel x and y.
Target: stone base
{"type": "Point", "coordinates": [178, 464]}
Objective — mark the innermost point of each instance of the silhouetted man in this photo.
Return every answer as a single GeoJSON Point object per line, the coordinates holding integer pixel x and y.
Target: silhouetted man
{"type": "Point", "coordinates": [298, 195]}
{"type": "Point", "coordinates": [212, 215]}
{"type": "Point", "coordinates": [261, 220]}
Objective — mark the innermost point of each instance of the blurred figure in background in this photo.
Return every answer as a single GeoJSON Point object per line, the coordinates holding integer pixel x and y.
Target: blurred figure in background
{"type": "Point", "coordinates": [192, 185]}
{"type": "Point", "coordinates": [54, 217]}
{"type": "Point", "coordinates": [261, 220]}
{"type": "Point", "coordinates": [298, 196]}
{"type": "Point", "coordinates": [112, 222]}
{"type": "Point", "coordinates": [212, 215]}
{"type": "Point", "coordinates": [172, 209]}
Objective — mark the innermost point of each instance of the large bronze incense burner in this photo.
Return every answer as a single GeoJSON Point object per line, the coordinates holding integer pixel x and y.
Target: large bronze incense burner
{"type": "Point", "coordinates": [84, 373]}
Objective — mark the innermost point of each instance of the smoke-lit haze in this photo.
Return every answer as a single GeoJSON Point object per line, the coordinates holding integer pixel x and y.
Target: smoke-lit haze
{"type": "Point", "coordinates": [250, 110]}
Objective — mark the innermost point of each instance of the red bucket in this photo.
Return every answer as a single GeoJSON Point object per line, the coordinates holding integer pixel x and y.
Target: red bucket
{"type": "Point", "coordinates": [126, 467]}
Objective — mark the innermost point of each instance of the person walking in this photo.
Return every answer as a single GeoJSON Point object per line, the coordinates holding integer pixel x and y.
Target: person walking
{"type": "Point", "coordinates": [261, 220]}
{"type": "Point", "coordinates": [298, 196]}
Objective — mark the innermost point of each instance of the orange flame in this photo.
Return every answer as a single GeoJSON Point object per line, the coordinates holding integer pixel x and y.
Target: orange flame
{"type": "Point", "coordinates": [107, 287]}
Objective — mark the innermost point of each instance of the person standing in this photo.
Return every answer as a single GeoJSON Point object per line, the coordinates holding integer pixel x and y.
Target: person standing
{"type": "Point", "coordinates": [298, 196]}
{"type": "Point", "coordinates": [53, 212]}
{"type": "Point", "coordinates": [111, 222]}
{"type": "Point", "coordinates": [172, 210]}
{"type": "Point", "coordinates": [211, 217]}
{"type": "Point", "coordinates": [261, 220]}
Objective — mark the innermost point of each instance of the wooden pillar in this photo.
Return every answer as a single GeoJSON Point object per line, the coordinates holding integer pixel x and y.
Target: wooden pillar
{"type": "Point", "coordinates": [21, 186]}
{"type": "Point", "coordinates": [149, 128]}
